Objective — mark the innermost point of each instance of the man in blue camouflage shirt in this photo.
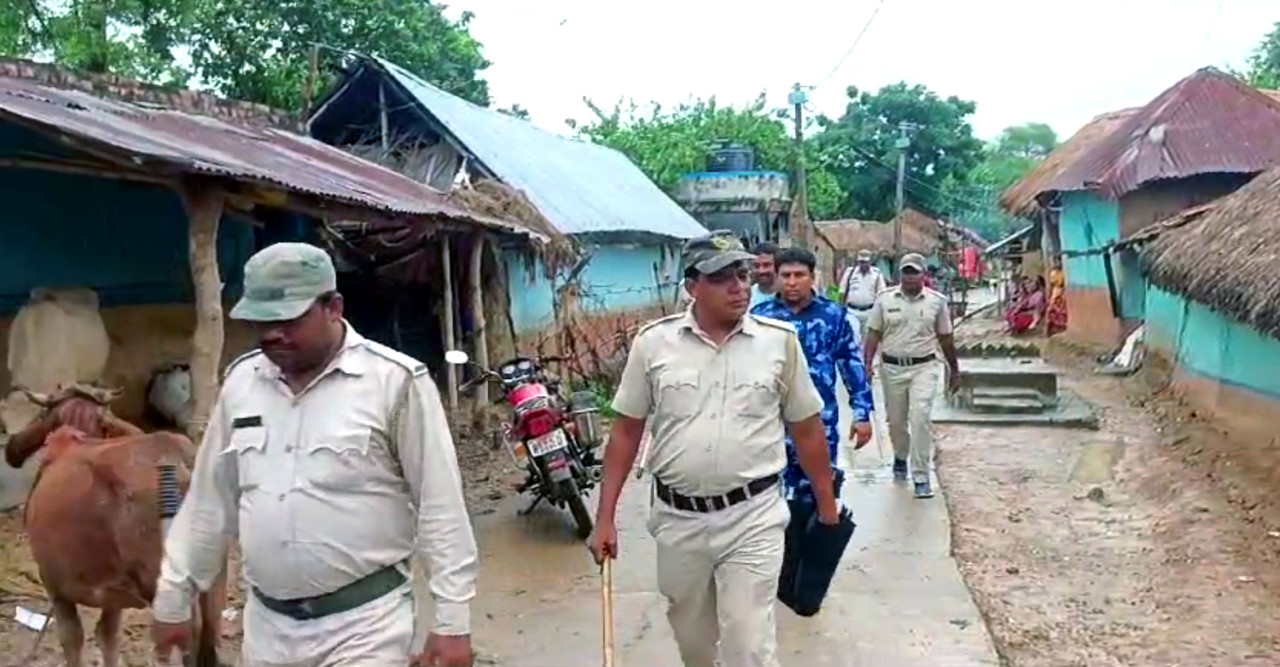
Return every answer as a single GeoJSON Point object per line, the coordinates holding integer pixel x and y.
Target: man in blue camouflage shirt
{"type": "Point", "coordinates": [829, 343]}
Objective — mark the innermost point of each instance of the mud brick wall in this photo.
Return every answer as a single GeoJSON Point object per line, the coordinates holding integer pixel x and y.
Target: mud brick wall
{"type": "Point", "coordinates": [124, 89]}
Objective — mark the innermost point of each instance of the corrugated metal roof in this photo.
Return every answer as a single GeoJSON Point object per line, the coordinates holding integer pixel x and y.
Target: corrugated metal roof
{"type": "Point", "coordinates": [175, 143]}
{"type": "Point", "coordinates": [580, 187]}
{"type": "Point", "coordinates": [1209, 122]}
{"type": "Point", "coordinates": [1020, 198]}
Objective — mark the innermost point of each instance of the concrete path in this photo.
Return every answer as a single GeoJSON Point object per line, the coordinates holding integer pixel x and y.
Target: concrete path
{"type": "Point", "coordinates": [898, 600]}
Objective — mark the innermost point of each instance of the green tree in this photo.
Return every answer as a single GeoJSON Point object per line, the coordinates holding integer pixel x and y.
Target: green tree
{"type": "Point", "coordinates": [859, 148]}
{"type": "Point", "coordinates": [1264, 64]}
{"type": "Point", "coordinates": [973, 198]}
{"type": "Point", "coordinates": [134, 38]}
{"type": "Point", "coordinates": [245, 49]}
{"type": "Point", "coordinates": [260, 51]}
{"type": "Point", "coordinates": [667, 144]}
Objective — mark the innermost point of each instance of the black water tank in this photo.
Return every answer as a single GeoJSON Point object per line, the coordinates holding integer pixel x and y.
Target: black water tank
{"type": "Point", "coordinates": [732, 157]}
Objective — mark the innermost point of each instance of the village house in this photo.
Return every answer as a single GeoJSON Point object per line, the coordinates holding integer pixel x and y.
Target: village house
{"type": "Point", "coordinates": [939, 240]}
{"type": "Point", "coordinates": [1202, 138]}
{"type": "Point", "coordinates": [1212, 311]}
{"type": "Point", "coordinates": [625, 232]}
{"type": "Point", "coordinates": [129, 223]}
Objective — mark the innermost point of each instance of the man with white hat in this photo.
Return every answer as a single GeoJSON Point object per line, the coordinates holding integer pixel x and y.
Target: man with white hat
{"type": "Point", "coordinates": [858, 290]}
{"type": "Point", "coordinates": [330, 458]}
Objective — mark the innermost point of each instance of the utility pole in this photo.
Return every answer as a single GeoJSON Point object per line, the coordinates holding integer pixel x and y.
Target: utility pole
{"type": "Point", "coordinates": [800, 203]}
{"type": "Point", "coordinates": [902, 144]}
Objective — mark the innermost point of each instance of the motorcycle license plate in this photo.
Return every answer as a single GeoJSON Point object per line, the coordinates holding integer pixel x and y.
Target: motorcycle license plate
{"type": "Point", "coordinates": [548, 443]}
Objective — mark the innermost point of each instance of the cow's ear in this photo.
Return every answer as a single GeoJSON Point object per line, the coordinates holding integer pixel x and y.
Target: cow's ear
{"type": "Point", "coordinates": [42, 400]}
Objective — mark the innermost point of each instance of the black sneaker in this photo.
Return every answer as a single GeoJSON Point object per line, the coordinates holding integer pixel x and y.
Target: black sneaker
{"type": "Point", "coordinates": [900, 470]}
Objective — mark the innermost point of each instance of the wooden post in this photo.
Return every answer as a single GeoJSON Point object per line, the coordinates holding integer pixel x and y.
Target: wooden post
{"type": "Point", "coordinates": [477, 314]}
{"type": "Point", "coordinates": [204, 211]}
{"type": "Point", "coordinates": [450, 340]}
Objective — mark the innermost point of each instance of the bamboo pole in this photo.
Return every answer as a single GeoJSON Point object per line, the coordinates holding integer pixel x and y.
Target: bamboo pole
{"type": "Point", "coordinates": [478, 316]}
{"type": "Point", "coordinates": [606, 604]}
{"type": "Point", "coordinates": [204, 210]}
{"type": "Point", "coordinates": [450, 340]}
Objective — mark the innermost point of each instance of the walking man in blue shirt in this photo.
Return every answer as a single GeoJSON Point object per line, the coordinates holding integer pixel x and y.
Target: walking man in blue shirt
{"type": "Point", "coordinates": [829, 343]}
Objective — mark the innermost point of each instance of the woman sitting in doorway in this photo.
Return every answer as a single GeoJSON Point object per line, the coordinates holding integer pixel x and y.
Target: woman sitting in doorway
{"type": "Point", "coordinates": [1027, 311]}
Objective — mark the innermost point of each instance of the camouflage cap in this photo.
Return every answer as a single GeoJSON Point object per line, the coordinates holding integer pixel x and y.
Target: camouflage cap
{"type": "Point", "coordinates": [715, 251]}
{"type": "Point", "coordinates": [913, 260]}
{"type": "Point", "coordinates": [282, 280]}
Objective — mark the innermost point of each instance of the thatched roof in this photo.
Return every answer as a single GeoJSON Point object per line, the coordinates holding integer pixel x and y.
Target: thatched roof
{"type": "Point", "coordinates": [1227, 258]}
{"type": "Point", "coordinates": [1020, 198]}
{"type": "Point", "coordinates": [853, 235]}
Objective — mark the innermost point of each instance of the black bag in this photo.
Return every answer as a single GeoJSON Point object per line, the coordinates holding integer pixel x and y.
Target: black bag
{"type": "Point", "coordinates": [811, 555]}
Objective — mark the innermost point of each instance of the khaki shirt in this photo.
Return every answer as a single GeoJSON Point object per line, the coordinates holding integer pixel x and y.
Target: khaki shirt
{"type": "Point", "coordinates": [909, 327]}
{"type": "Point", "coordinates": [861, 289]}
{"type": "Point", "coordinates": [717, 413]}
{"type": "Point", "coordinates": [325, 487]}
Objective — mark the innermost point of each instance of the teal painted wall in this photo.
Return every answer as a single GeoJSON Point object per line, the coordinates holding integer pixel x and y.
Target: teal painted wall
{"type": "Point", "coordinates": [1087, 222]}
{"type": "Point", "coordinates": [126, 241]}
{"type": "Point", "coordinates": [619, 277]}
{"type": "Point", "coordinates": [1212, 345]}
{"type": "Point", "coordinates": [1131, 284]}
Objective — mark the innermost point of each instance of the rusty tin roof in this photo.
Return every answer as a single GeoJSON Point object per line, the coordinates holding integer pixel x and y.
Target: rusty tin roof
{"type": "Point", "coordinates": [173, 143]}
{"type": "Point", "coordinates": [1209, 122]}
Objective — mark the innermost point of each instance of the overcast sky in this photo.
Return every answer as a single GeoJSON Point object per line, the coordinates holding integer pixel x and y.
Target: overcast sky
{"type": "Point", "coordinates": [1055, 61]}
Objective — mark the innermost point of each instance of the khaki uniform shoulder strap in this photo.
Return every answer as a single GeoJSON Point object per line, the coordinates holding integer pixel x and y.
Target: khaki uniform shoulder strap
{"type": "Point", "coordinates": [661, 320]}
{"type": "Point", "coordinates": [251, 354]}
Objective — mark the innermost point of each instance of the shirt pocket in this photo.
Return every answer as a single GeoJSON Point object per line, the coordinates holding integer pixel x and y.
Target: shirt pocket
{"type": "Point", "coordinates": [341, 460]}
{"type": "Point", "coordinates": [249, 446]}
{"type": "Point", "coordinates": [756, 394]}
{"type": "Point", "coordinates": [678, 394]}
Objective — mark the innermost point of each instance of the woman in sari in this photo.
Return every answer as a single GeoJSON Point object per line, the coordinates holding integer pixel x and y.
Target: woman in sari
{"type": "Point", "coordinates": [1029, 308]}
{"type": "Point", "coordinates": [1056, 315]}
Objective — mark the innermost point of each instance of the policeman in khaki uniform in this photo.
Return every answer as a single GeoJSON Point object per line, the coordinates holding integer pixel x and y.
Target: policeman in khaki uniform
{"type": "Point", "coordinates": [328, 455]}
{"type": "Point", "coordinates": [718, 386]}
{"type": "Point", "coordinates": [907, 325]}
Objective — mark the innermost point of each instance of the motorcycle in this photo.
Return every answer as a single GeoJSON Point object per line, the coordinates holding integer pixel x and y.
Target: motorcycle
{"type": "Point", "coordinates": [553, 440]}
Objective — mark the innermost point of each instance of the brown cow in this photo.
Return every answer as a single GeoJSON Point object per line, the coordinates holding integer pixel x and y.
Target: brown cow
{"type": "Point", "coordinates": [93, 520]}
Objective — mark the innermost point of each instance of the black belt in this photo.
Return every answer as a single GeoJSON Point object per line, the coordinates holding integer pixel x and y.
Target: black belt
{"type": "Point", "coordinates": [907, 361]}
{"type": "Point", "coordinates": [860, 307]}
{"type": "Point", "coordinates": [714, 503]}
{"type": "Point", "coordinates": [354, 594]}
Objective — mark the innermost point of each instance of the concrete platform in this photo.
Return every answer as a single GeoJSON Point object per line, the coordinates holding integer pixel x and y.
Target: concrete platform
{"type": "Point", "coordinates": [1070, 411]}
{"type": "Point", "coordinates": [1025, 373]}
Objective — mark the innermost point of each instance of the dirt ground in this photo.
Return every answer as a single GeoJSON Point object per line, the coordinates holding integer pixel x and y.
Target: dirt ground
{"type": "Point", "coordinates": [487, 478]}
{"type": "Point", "coordinates": [1142, 543]}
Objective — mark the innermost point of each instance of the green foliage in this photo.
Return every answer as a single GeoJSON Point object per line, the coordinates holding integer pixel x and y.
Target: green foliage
{"type": "Point", "coordinates": [859, 148]}
{"type": "Point", "coordinates": [974, 198]}
{"type": "Point", "coordinates": [245, 49]}
{"type": "Point", "coordinates": [134, 38]}
{"type": "Point", "coordinates": [667, 144]}
{"type": "Point", "coordinates": [260, 51]}
{"type": "Point", "coordinates": [1264, 64]}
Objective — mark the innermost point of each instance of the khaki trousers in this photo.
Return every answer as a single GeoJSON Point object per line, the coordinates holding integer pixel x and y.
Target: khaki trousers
{"type": "Point", "coordinates": [908, 400]}
{"type": "Point", "coordinates": [376, 634]}
{"type": "Point", "coordinates": [858, 320]}
{"type": "Point", "coordinates": [719, 572]}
